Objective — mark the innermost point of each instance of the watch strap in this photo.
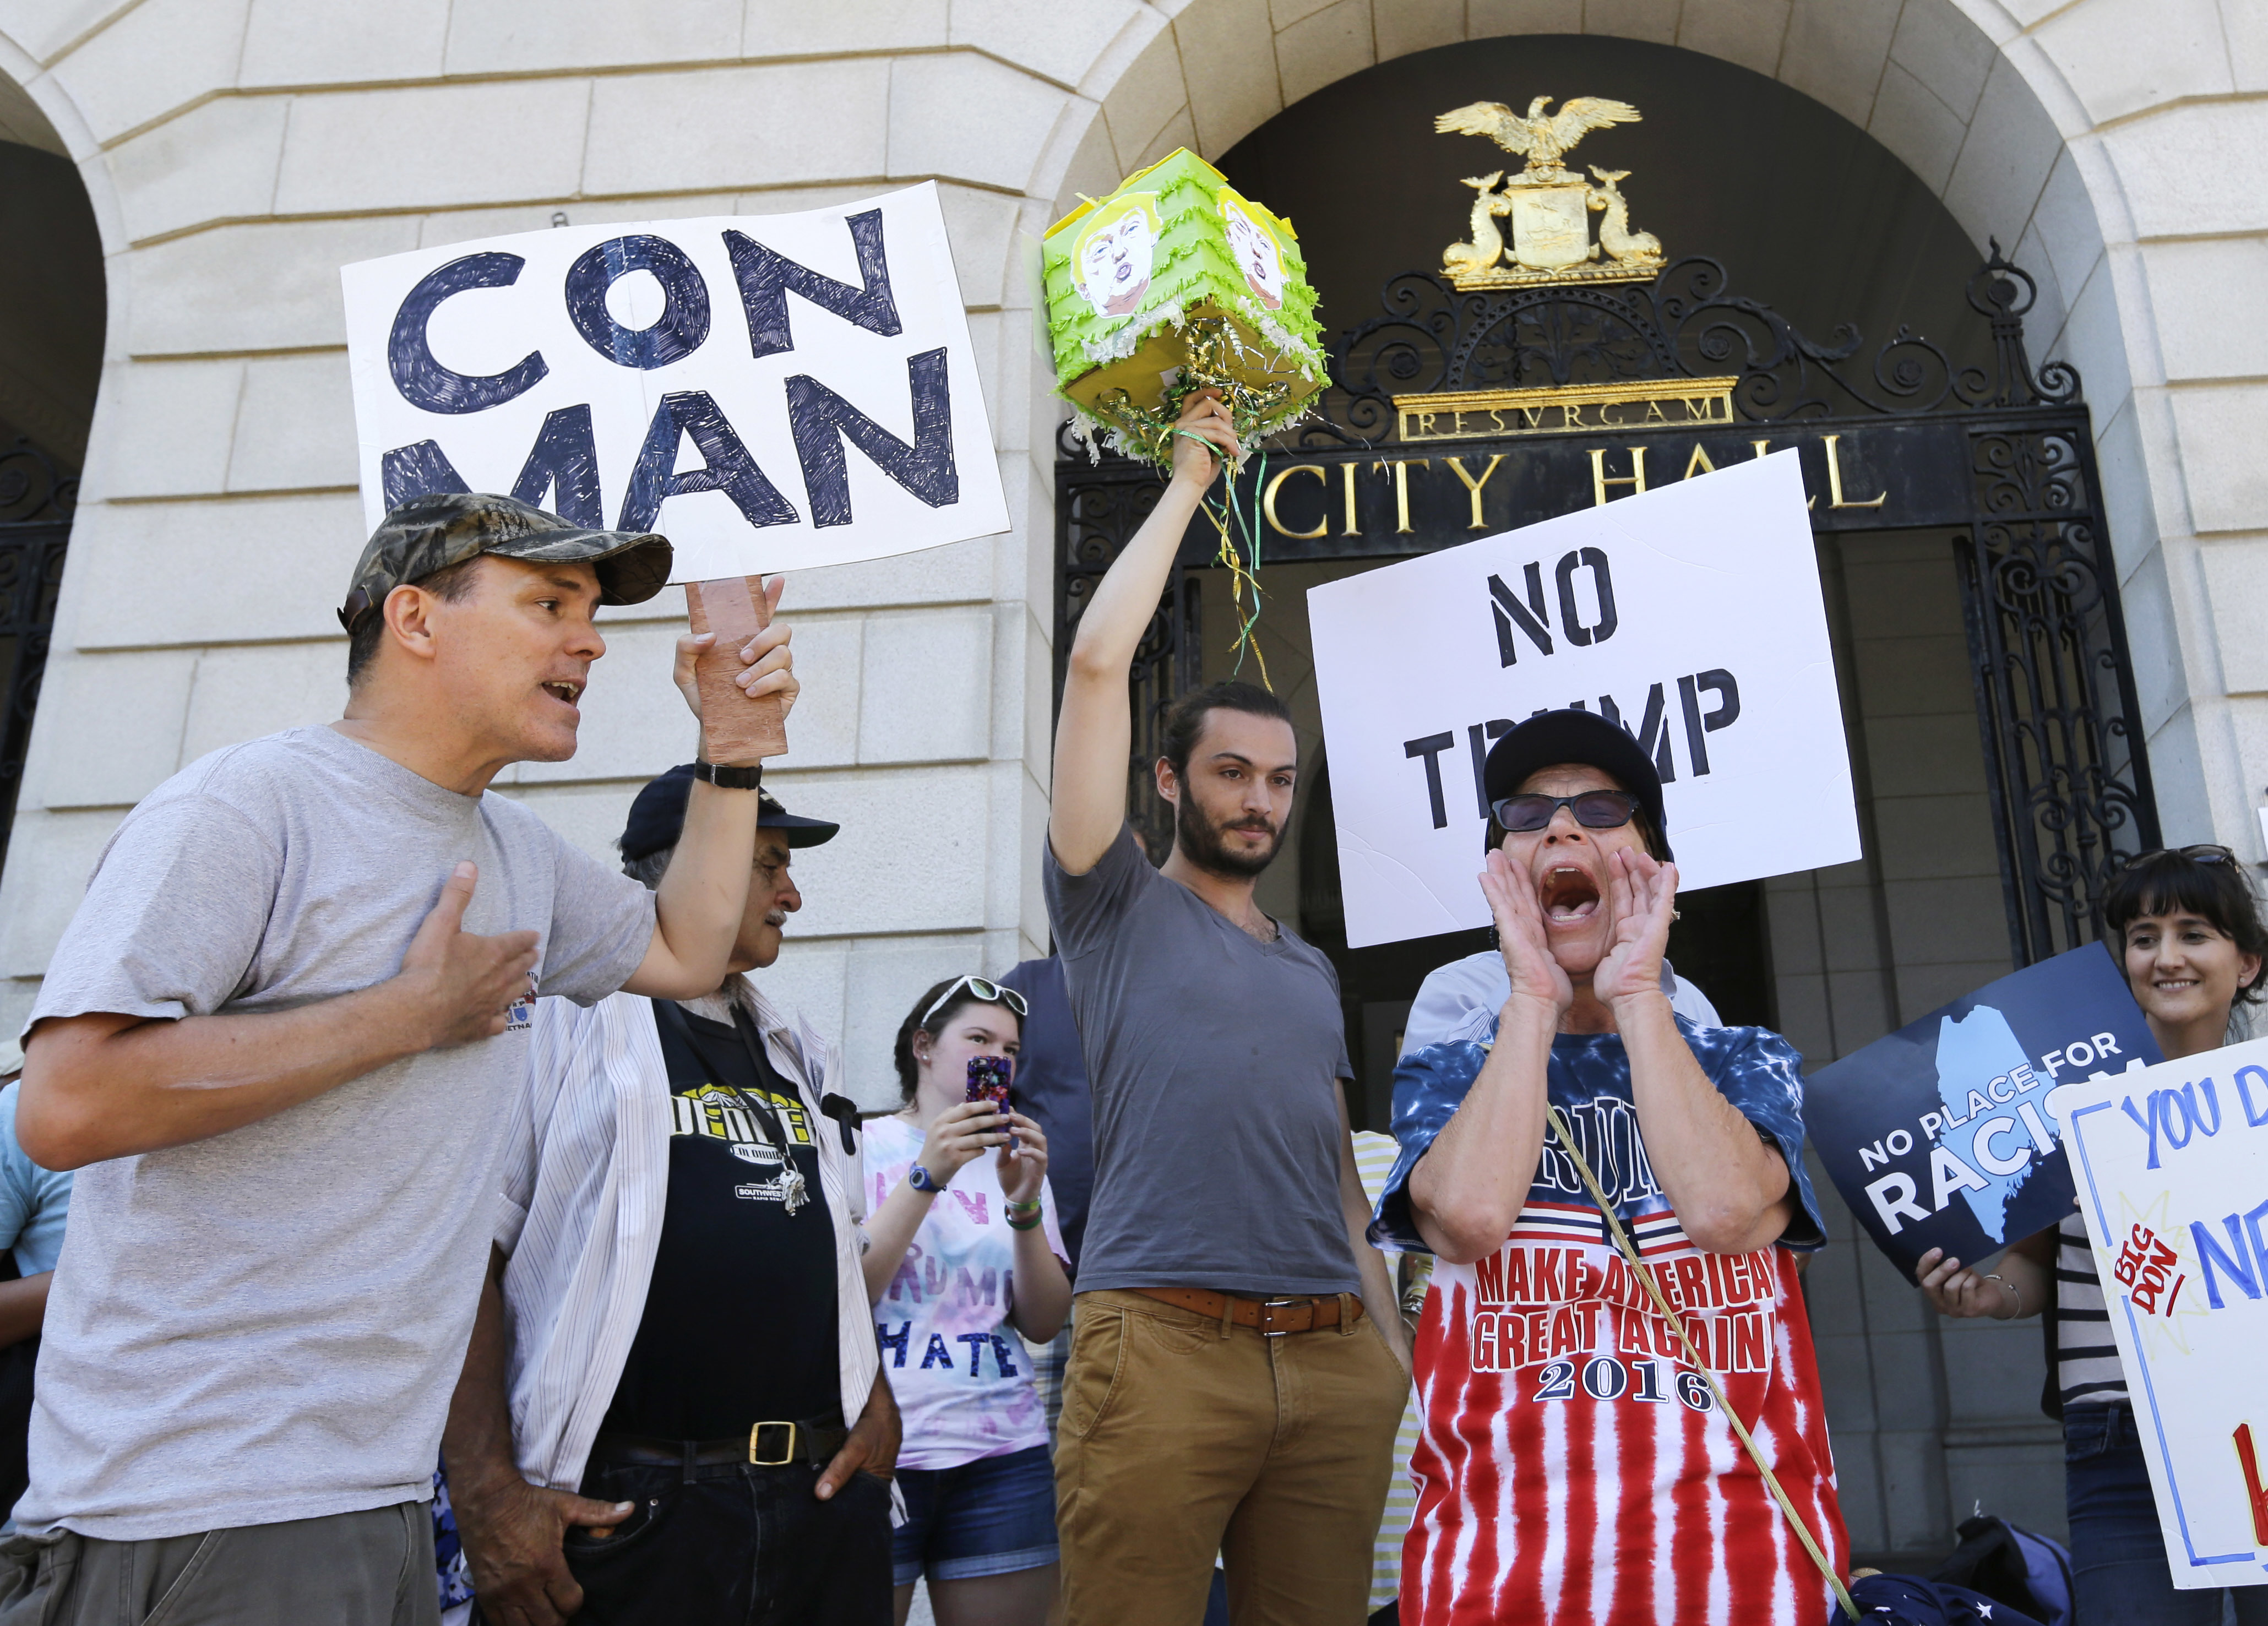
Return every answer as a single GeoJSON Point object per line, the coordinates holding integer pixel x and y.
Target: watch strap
{"type": "Point", "coordinates": [921, 1180]}
{"type": "Point", "coordinates": [726, 777]}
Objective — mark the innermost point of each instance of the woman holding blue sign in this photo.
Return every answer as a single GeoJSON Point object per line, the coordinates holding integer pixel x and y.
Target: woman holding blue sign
{"type": "Point", "coordinates": [2189, 930]}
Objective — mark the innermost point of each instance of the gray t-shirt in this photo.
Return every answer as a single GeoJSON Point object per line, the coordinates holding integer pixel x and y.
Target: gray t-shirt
{"type": "Point", "coordinates": [1214, 1061]}
{"type": "Point", "coordinates": [267, 1325]}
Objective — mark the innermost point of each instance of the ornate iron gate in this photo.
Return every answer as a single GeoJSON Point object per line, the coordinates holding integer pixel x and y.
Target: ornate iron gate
{"type": "Point", "coordinates": [1903, 440]}
{"type": "Point", "coordinates": [35, 514]}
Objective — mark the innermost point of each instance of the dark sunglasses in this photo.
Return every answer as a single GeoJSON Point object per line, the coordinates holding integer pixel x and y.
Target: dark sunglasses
{"type": "Point", "coordinates": [991, 992]}
{"type": "Point", "coordinates": [2204, 852]}
{"type": "Point", "coordinates": [1594, 810]}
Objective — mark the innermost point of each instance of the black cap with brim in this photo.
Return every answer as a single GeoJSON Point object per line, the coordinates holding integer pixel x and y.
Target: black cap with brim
{"type": "Point", "coordinates": [1551, 737]}
{"type": "Point", "coordinates": [427, 535]}
{"type": "Point", "coordinates": [658, 817]}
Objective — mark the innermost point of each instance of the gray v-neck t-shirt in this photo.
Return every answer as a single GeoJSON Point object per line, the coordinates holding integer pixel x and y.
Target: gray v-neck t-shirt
{"type": "Point", "coordinates": [267, 1325]}
{"type": "Point", "coordinates": [1214, 1061]}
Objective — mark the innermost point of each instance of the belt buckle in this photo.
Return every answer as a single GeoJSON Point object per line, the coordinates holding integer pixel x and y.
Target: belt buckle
{"type": "Point", "coordinates": [1269, 1330]}
{"type": "Point", "coordinates": [756, 1456]}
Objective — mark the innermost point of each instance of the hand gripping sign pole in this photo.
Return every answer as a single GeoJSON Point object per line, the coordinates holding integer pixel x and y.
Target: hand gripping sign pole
{"type": "Point", "coordinates": [1639, 1268]}
{"type": "Point", "coordinates": [743, 728]}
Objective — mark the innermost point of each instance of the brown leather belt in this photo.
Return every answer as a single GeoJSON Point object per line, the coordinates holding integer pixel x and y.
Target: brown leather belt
{"type": "Point", "coordinates": [1271, 1318]}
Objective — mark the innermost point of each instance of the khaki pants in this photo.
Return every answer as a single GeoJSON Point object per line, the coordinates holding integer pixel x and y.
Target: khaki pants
{"type": "Point", "coordinates": [368, 1569]}
{"type": "Point", "coordinates": [1180, 1440]}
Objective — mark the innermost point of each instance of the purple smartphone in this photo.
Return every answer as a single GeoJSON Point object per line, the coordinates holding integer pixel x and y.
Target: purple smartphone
{"type": "Point", "coordinates": [988, 1081]}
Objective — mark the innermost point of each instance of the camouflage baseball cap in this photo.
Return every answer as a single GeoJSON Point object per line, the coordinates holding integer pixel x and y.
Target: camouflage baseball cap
{"type": "Point", "coordinates": [429, 533]}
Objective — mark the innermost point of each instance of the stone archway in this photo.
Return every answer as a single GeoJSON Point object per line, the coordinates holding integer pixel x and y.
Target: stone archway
{"type": "Point", "coordinates": [1929, 79]}
{"type": "Point", "coordinates": [2010, 123]}
{"type": "Point", "coordinates": [1939, 1435]}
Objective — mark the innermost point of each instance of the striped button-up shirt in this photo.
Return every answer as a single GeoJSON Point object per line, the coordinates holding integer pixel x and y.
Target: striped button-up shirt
{"type": "Point", "coordinates": [584, 1188]}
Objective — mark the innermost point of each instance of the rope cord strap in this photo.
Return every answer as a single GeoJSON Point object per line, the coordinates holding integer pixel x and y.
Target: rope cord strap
{"type": "Point", "coordinates": [1645, 1274]}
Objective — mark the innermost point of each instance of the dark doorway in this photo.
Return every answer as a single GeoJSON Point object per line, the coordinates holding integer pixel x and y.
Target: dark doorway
{"type": "Point", "coordinates": [51, 327]}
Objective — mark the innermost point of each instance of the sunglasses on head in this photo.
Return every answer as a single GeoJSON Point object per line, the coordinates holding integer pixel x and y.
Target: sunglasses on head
{"type": "Point", "coordinates": [2204, 852]}
{"type": "Point", "coordinates": [991, 992]}
{"type": "Point", "coordinates": [1594, 810]}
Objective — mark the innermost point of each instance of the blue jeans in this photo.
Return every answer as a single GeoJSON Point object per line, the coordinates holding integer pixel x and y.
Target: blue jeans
{"type": "Point", "coordinates": [2119, 1572]}
{"type": "Point", "coordinates": [989, 1517]}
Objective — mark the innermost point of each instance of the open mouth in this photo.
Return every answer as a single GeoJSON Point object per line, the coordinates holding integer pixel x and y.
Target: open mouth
{"type": "Point", "coordinates": [1567, 894]}
{"type": "Point", "coordinates": [564, 689]}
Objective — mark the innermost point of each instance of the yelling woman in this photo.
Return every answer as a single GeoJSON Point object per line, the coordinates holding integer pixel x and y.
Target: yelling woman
{"type": "Point", "coordinates": [2188, 928]}
{"type": "Point", "coordinates": [1575, 1462]}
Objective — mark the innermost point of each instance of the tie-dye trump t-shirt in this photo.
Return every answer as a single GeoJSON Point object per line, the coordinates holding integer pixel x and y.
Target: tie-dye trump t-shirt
{"type": "Point", "coordinates": [963, 1376]}
{"type": "Point", "coordinates": [1573, 1467]}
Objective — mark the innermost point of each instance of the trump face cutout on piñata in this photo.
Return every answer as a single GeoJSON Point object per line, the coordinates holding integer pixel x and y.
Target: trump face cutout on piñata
{"type": "Point", "coordinates": [1116, 254]}
{"type": "Point", "coordinates": [1254, 246]}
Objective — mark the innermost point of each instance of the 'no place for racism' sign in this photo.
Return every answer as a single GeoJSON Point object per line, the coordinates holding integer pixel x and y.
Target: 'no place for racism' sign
{"type": "Point", "coordinates": [771, 392]}
{"type": "Point", "coordinates": [1691, 615]}
{"type": "Point", "coordinates": [2172, 1168]}
{"type": "Point", "coordinates": [1939, 1135]}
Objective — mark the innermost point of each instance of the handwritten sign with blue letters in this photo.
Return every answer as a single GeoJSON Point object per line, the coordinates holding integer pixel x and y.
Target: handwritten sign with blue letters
{"type": "Point", "coordinates": [770, 392]}
{"type": "Point", "coordinates": [2172, 1167]}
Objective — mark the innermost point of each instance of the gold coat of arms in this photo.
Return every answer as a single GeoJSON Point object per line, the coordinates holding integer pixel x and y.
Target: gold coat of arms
{"type": "Point", "coordinates": [1548, 206]}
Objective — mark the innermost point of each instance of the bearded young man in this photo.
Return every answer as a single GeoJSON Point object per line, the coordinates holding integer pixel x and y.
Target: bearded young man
{"type": "Point", "coordinates": [1237, 1364]}
{"type": "Point", "coordinates": [285, 1028]}
{"type": "Point", "coordinates": [1574, 1464]}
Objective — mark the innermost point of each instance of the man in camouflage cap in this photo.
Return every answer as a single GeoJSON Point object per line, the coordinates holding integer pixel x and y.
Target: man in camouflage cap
{"type": "Point", "coordinates": [429, 534]}
{"type": "Point", "coordinates": [281, 1037]}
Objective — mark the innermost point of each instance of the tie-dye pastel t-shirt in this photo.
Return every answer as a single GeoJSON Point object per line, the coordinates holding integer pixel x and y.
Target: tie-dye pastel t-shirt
{"type": "Point", "coordinates": [1573, 1469]}
{"type": "Point", "coordinates": [963, 1376]}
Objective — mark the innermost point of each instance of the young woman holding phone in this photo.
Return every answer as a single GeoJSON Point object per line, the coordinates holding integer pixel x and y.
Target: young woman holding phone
{"type": "Point", "coordinates": [964, 1254]}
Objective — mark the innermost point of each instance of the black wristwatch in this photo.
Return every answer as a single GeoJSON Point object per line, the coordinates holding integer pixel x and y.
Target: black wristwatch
{"type": "Point", "coordinates": [728, 778]}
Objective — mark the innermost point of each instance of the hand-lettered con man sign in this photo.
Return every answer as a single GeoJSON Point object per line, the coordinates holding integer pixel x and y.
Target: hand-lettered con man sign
{"type": "Point", "coordinates": [2172, 1167]}
{"type": "Point", "coordinates": [771, 392]}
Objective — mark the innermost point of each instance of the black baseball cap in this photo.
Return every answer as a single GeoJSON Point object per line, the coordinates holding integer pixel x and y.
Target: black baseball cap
{"type": "Point", "coordinates": [1551, 737]}
{"type": "Point", "coordinates": [658, 817]}
{"type": "Point", "coordinates": [427, 535]}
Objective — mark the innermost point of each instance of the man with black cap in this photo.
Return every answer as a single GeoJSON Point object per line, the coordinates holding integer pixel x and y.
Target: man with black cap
{"type": "Point", "coordinates": [672, 1409]}
{"type": "Point", "coordinates": [1576, 1456]}
{"type": "Point", "coordinates": [281, 1037]}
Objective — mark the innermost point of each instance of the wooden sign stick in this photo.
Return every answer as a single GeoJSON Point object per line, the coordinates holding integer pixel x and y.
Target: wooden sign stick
{"type": "Point", "coordinates": [738, 729]}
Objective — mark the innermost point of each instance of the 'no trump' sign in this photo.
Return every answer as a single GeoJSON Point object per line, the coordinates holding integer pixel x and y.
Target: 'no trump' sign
{"type": "Point", "coordinates": [1691, 615]}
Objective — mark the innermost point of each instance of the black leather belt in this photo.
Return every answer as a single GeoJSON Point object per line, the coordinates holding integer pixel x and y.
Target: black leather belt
{"type": "Point", "coordinates": [815, 1440]}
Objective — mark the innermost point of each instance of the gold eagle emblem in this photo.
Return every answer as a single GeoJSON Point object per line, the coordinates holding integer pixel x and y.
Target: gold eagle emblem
{"type": "Point", "coordinates": [1547, 207]}
{"type": "Point", "coordinates": [1545, 140]}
